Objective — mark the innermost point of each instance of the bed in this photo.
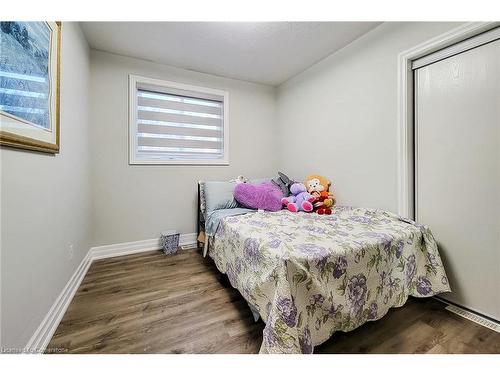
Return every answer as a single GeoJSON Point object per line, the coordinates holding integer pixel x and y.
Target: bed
{"type": "Point", "coordinates": [310, 275]}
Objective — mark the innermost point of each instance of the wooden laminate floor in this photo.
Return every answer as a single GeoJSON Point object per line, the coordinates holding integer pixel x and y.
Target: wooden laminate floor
{"type": "Point", "coordinates": [152, 303]}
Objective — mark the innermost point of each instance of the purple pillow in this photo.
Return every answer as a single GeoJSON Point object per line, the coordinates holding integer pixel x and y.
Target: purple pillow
{"type": "Point", "coordinates": [266, 196]}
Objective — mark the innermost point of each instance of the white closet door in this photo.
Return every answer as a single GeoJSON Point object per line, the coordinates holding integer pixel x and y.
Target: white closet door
{"type": "Point", "coordinates": [457, 126]}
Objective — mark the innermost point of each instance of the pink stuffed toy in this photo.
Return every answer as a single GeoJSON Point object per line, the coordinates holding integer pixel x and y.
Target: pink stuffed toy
{"type": "Point", "coordinates": [300, 200]}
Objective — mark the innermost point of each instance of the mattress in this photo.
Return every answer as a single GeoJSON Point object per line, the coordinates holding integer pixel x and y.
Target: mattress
{"type": "Point", "coordinates": [310, 275]}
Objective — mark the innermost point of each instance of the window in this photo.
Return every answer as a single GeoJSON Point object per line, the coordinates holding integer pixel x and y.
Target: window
{"type": "Point", "coordinates": [174, 123]}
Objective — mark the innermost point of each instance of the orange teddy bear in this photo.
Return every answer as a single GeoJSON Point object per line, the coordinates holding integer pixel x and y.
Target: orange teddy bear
{"type": "Point", "coordinates": [318, 186]}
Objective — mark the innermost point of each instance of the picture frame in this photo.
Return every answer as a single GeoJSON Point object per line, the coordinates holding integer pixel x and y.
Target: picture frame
{"type": "Point", "coordinates": [30, 75]}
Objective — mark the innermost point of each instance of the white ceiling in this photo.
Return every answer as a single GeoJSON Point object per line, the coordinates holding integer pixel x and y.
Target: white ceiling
{"type": "Point", "coordinates": [263, 52]}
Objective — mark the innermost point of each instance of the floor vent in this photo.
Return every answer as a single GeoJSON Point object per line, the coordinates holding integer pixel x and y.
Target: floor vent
{"type": "Point", "coordinates": [474, 317]}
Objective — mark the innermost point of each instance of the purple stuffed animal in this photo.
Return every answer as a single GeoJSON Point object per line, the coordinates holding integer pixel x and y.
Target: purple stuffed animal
{"type": "Point", "coordinates": [266, 196]}
{"type": "Point", "coordinates": [300, 200]}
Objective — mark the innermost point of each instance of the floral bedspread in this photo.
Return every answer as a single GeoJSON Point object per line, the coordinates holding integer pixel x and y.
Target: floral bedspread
{"type": "Point", "coordinates": [310, 275]}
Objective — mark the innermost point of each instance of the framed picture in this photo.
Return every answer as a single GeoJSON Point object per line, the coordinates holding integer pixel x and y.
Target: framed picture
{"type": "Point", "coordinates": [30, 69]}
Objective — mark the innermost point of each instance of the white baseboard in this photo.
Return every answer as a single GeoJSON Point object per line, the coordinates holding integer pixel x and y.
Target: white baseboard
{"type": "Point", "coordinates": [186, 241]}
{"type": "Point", "coordinates": [44, 332]}
{"type": "Point", "coordinates": [126, 248]}
{"type": "Point", "coordinates": [41, 338]}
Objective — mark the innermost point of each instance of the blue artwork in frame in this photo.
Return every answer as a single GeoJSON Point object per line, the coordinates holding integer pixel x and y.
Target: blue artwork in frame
{"type": "Point", "coordinates": [29, 85]}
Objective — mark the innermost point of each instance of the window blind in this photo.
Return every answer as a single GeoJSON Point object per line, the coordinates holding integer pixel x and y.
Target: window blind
{"type": "Point", "coordinates": [174, 124]}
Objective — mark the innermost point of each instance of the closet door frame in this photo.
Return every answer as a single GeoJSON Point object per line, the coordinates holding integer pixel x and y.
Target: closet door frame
{"type": "Point", "coordinates": [406, 128]}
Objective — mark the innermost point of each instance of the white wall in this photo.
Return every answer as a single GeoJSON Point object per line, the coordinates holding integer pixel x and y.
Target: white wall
{"type": "Point", "coordinates": [339, 117]}
{"type": "Point", "coordinates": [46, 206]}
{"type": "Point", "coordinates": [138, 202]}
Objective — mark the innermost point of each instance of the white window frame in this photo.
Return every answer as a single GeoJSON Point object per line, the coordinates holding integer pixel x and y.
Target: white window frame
{"type": "Point", "coordinates": [132, 120]}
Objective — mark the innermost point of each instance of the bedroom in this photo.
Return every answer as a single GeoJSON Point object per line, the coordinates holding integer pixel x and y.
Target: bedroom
{"type": "Point", "coordinates": [152, 173]}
